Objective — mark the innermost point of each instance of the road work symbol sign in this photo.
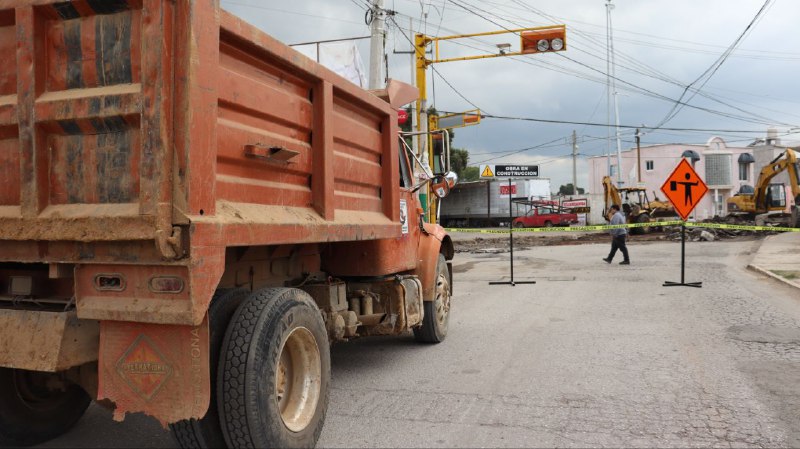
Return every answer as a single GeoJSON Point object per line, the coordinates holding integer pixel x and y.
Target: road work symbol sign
{"type": "Point", "coordinates": [487, 172]}
{"type": "Point", "coordinates": [684, 189]}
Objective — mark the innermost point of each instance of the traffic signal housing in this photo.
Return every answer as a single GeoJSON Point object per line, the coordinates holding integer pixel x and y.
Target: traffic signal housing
{"type": "Point", "coordinates": [544, 40]}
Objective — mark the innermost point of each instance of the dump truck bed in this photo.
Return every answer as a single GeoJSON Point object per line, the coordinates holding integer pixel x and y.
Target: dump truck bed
{"type": "Point", "coordinates": [147, 132]}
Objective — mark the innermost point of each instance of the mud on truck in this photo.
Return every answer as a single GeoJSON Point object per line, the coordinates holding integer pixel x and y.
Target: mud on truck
{"type": "Point", "coordinates": [190, 214]}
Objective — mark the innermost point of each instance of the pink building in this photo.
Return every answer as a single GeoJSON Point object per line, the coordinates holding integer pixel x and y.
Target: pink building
{"type": "Point", "coordinates": [725, 169]}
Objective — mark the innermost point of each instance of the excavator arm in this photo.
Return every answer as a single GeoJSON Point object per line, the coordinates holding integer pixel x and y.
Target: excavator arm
{"type": "Point", "coordinates": [610, 195]}
{"type": "Point", "coordinates": [787, 160]}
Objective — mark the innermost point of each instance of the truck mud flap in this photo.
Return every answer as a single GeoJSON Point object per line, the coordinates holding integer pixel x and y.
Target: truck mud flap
{"type": "Point", "coordinates": [159, 370]}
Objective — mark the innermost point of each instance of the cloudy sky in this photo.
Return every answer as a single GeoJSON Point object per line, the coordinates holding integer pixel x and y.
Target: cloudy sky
{"type": "Point", "coordinates": [734, 65]}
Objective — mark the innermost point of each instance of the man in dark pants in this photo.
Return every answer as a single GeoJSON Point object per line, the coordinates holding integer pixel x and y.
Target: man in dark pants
{"type": "Point", "coordinates": [618, 236]}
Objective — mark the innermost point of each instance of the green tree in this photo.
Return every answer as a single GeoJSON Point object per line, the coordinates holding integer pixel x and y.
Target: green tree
{"type": "Point", "coordinates": [567, 190]}
{"type": "Point", "coordinates": [459, 158]}
{"type": "Point", "coordinates": [470, 174]}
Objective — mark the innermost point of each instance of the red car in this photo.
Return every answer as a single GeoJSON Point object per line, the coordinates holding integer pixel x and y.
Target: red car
{"type": "Point", "coordinates": [544, 216]}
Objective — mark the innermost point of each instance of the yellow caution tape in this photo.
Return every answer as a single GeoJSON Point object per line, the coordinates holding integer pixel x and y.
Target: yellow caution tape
{"type": "Point", "coordinates": [741, 227]}
{"type": "Point", "coordinates": [629, 225]}
{"type": "Point", "coordinates": [566, 228]}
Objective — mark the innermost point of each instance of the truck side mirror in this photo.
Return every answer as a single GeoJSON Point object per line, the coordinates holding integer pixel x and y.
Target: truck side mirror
{"type": "Point", "coordinates": [440, 142]}
{"type": "Point", "coordinates": [441, 184]}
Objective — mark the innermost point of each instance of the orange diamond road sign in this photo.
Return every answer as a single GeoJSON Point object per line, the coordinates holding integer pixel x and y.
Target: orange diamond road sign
{"type": "Point", "coordinates": [684, 188]}
{"type": "Point", "coordinates": [144, 367]}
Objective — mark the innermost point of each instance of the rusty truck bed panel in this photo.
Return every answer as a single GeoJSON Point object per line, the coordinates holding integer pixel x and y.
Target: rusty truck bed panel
{"type": "Point", "coordinates": [84, 109]}
{"type": "Point", "coordinates": [339, 141]}
{"type": "Point", "coordinates": [121, 119]}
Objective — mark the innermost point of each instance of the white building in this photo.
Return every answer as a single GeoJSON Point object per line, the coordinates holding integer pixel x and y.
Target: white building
{"type": "Point", "coordinates": [725, 169]}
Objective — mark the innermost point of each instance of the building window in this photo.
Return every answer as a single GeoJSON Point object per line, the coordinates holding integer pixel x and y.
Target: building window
{"type": "Point", "coordinates": [743, 170]}
{"type": "Point", "coordinates": [648, 165]}
{"type": "Point", "coordinates": [718, 169]}
{"type": "Point", "coordinates": [613, 171]}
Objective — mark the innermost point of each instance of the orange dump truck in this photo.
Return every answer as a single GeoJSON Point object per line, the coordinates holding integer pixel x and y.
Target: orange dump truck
{"type": "Point", "coordinates": [190, 213]}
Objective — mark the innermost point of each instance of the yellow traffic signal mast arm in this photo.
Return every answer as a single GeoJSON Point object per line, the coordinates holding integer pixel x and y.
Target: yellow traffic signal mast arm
{"type": "Point", "coordinates": [532, 40]}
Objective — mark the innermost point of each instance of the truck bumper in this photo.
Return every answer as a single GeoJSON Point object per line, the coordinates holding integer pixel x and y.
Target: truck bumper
{"type": "Point", "coordinates": [46, 341]}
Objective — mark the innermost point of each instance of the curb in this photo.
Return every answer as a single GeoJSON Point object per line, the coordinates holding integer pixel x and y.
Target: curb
{"type": "Point", "coordinates": [766, 272]}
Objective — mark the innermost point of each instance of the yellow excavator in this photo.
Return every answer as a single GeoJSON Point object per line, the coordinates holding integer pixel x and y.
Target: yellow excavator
{"type": "Point", "coordinates": [767, 202]}
{"type": "Point", "coordinates": [635, 204]}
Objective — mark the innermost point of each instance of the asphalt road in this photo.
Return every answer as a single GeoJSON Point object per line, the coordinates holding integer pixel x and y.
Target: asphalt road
{"type": "Point", "coordinates": [591, 355]}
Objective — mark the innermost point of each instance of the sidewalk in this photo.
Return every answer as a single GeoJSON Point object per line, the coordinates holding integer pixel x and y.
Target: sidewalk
{"type": "Point", "coordinates": [779, 258]}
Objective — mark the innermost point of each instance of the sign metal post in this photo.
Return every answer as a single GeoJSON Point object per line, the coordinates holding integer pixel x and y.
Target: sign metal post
{"type": "Point", "coordinates": [684, 189]}
{"type": "Point", "coordinates": [510, 171]}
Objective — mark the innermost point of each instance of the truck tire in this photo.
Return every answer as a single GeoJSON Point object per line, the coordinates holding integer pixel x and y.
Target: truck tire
{"type": "Point", "coordinates": [548, 224]}
{"type": "Point", "coordinates": [642, 218]}
{"type": "Point", "coordinates": [274, 371]}
{"type": "Point", "coordinates": [437, 312]}
{"type": "Point", "coordinates": [31, 413]}
{"type": "Point", "coordinates": [518, 225]}
{"type": "Point", "coordinates": [796, 216]}
{"type": "Point", "coordinates": [206, 432]}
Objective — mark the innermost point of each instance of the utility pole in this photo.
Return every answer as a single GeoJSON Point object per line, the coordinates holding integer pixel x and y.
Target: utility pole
{"type": "Point", "coordinates": [614, 92]}
{"type": "Point", "coordinates": [638, 158]}
{"type": "Point", "coordinates": [574, 163]}
{"type": "Point", "coordinates": [416, 139]}
{"type": "Point", "coordinates": [376, 49]}
{"type": "Point", "coordinates": [608, 87]}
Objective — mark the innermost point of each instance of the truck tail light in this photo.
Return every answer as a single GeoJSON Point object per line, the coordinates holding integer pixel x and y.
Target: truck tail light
{"type": "Point", "coordinates": [166, 284]}
{"type": "Point", "coordinates": [113, 282]}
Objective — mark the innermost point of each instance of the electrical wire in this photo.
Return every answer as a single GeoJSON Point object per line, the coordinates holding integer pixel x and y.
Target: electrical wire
{"type": "Point", "coordinates": [337, 19]}
{"type": "Point", "coordinates": [636, 88]}
{"type": "Point", "coordinates": [708, 73]}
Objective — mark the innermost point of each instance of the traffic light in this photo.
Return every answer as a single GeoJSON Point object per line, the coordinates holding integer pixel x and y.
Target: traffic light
{"type": "Point", "coordinates": [544, 40]}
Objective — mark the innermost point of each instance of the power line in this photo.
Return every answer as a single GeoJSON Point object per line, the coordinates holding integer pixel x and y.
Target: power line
{"type": "Point", "coordinates": [316, 16]}
{"type": "Point", "coordinates": [661, 77]}
{"type": "Point", "coordinates": [708, 73]}
{"type": "Point", "coordinates": [644, 127]}
{"type": "Point", "coordinates": [648, 71]}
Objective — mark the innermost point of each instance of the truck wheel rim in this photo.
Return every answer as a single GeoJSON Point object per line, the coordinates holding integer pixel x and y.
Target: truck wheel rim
{"type": "Point", "coordinates": [32, 392]}
{"type": "Point", "coordinates": [442, 300]}
{"type": "Point", "coordinates": [298, 380]}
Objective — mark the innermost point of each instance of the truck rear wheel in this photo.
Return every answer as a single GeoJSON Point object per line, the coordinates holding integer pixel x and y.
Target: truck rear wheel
{"type": "Point", "coordinates": [207, 431]}
{"type": "Point", "coordinates": [437, 312]}
{"type": "Point", "coordinates": [274, 373]}
{"type": "Point", "coordinates": [32, 411]}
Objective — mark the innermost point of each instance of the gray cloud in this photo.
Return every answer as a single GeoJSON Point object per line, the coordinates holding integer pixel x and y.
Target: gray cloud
{"type": "Point", "coordinates": [676, 39]}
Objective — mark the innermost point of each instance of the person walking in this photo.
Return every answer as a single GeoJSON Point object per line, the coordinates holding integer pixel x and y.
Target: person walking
{"type": "Point", "coordinates": [618, 236]}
